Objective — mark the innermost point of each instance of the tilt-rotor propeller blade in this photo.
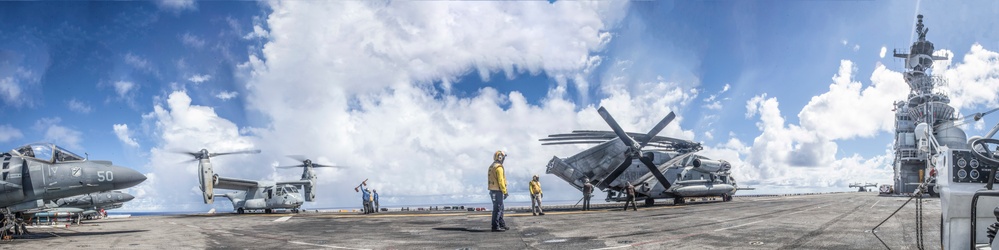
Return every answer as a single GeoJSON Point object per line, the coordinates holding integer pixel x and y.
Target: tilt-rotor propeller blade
{"type": "Point", "coordinates": [655, 171]}
{"type": "Point", "coordinates": [659, 127]}
{"type": "Point", "coordinates": [255, 151]}
{"type": "Point", "coordinates": [315, 165]}
{"type": "Point", "coordinates": [295, 166]}
{"type": "Point", "coordinates": [617, 129]}
{"type": "Point", "coordinates": [617, 172]}
{"type": "Point", "coordinates": [300, 158]}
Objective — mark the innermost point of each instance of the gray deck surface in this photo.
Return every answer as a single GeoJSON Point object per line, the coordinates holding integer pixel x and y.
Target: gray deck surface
{"type": "Point", "coordinates": [822, 221]}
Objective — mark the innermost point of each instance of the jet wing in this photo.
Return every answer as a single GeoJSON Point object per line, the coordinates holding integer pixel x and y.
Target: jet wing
{"type": "Point", "coordinates": [235, 184]}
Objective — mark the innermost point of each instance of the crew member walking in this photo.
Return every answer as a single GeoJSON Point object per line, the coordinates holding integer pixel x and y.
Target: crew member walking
{"type": "Point", "coordinates": [536, 196]}
{"type": "Point", "coordinates": [497, 191]}
{"type": "Point", "coordinates": [630, 191]}
{"type": "Point", "coordinates": [587, 191]}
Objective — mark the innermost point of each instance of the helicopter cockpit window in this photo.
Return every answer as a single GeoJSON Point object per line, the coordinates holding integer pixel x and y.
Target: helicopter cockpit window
{"type": "Point", "coordinates": [280, 191]}
{"type": "Point", "coordinates": [62, 154]}
{"type": "Point", "coordinates": [289, 189]}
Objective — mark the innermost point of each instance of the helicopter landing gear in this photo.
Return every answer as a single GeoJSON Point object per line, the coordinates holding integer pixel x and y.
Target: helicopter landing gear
{"type": "Point", "coordinates": [726, 197]}
{"type": "Point", "coordinates": [268, 211]}
{"type": "Point", "coordinates": [240, 211]}
{"type": "Point", "coordinates": [650, 202]}
{"type": "Point", "coordinates": [678, 200]}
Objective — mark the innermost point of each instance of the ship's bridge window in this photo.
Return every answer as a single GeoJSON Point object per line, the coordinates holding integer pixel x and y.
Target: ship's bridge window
{"type": "Point", "coordinates": [62, 155]}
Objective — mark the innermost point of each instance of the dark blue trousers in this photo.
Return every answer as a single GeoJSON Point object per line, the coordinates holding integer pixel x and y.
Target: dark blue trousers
{"type": "Point", "coordinates": [497, 197]}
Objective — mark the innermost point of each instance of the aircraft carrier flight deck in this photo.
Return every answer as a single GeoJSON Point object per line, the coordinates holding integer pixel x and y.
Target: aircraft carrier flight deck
{"type": "Point", "coordinates": [817, 221]}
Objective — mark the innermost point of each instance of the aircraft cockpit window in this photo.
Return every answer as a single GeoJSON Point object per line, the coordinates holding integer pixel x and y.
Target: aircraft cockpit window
{"type": "Point", "coordinates": [62, 154]}
{"type": "Point", "coordinates": [280, 191]}
{"type": "Point", "coordinates": [38, 151]}
{"type": "Point", "coordinates": [289, 190]}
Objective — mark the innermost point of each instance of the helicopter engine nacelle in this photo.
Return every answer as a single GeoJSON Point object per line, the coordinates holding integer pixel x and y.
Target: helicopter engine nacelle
{"type": "Point", "coordinates": [310, 191]}
{"type": "Point", "coordinates": [208, 180]}
{"type": "Point", "coordinates": [711, 166]}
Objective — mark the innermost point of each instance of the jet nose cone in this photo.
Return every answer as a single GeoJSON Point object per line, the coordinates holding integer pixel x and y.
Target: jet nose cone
{"type": "Point", "coordinates": [126, 177]}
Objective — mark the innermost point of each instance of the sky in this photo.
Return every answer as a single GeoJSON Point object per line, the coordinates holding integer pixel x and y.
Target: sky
{"type": "Point", "coordinates": [415, 96]}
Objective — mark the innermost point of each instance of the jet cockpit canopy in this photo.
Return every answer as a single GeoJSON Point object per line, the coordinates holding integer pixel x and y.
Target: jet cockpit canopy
{"type": "Point", "coordinates": [47, 152]}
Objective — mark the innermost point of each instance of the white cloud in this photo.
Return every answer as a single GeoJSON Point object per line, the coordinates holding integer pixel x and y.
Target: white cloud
{"type": "Point", "coordinates": [123, 88]}
{"type": "Point", "coordinates": [140, 63]}
{"type": "Point", "coordinates": [192, 41]}
{"type": "Point", "coordinates": [258, 32]}
{"type": "Point", "coordinates": [78, 106]}
{"type": "Point", "coordinates": [883, 51]}
{"type": "Point", "coordinates": [856, 47]}
{"type": "Point", "coordinates": [8, 133]}
{"type": "Point", "coordinates": [851, 110]}
{"type": "Point", "coordinates": [844, 42]}
{"type": "Point", "coordinates": [712, 101]}
{"type": "Point", "coordinates": [13, 87]}
{"type": "Point", "coordinates": [176, 5]}
{"type": "Point", "coordinates": [226, 95]}
{"type": "Point", "coordinates": [58, 134]}
{"type": "Point", "coordinates": [10, 91]}
{"type": "Point", "coordinates": [197, 79]}
{"type": "Point", "coordinates": [726, 88]}
{"type": "Point", "coordinates": [124, 135]}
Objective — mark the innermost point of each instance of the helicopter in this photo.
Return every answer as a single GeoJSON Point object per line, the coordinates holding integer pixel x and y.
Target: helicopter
{"type": "Point", "coordinates": [256, 195]}
{"type": "Point", "coordinates": [36, 174]}
{"type": "Point", "coordinates": [672, 167]}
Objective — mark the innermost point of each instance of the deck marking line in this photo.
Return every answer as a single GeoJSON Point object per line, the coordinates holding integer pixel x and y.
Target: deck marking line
{"type": "Point", "coordinates": [318, 245]}
{"type": "Point", "coordinates": [283, 219]}
{"type": "Point", "coordinates": [720, 229]}
{"type": "Point", "coordinates": [875, 203]}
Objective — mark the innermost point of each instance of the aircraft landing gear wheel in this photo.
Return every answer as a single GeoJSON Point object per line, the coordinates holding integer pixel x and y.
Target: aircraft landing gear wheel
{"type": "Point", "coordinates": [240, 211]}
{"type": "Point", "coordinates": [267, 211]}
{"type": "Point", "coordinates": [726, 197]}
{"type": "Point", "coordinates": [649, 202]}
{"type": "Point", "coordinates": [678, 201]}
{"type": "Point", "coordinates": [294, 210]}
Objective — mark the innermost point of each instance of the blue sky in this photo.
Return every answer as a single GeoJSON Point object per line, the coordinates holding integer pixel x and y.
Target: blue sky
{"type": "Point", "coordinates": [289, 78]}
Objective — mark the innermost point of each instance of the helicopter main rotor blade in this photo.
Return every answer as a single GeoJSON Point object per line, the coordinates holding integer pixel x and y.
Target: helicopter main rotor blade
{"type": "Point", "coordinates": [617, 172]}
{"type": "Point", "coordinates": [655, 171]}
{"type": "Point", "coordinates": [295, 166]}
{"type": "Point", "coordinates": [255, 151]}
{"type": "Point", "coordinates": [617, 129]}
{"type": "Point", "coordinates": [659, 127]}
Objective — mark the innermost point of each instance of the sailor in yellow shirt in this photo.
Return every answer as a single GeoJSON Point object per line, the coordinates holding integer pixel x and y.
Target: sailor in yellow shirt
{"type": "Point", "coordinates": [497, 191]}
{"type": "Point", "coordinates": [536, 196]}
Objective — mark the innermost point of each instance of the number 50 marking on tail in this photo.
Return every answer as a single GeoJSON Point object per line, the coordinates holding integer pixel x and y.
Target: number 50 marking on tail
{"type": "Point", "coordinates": [105, 176]}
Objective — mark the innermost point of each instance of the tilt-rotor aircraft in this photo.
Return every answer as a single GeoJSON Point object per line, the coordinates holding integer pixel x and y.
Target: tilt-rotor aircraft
{"type": "Point", "coordinates": [671, 167]}
{"type": "Point", "coordinates": [256, 195]}
{"type": "Point", "coordinates": [34, 175]}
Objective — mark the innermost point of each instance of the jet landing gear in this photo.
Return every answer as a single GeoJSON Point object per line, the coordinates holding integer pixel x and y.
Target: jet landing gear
{"type": "Point", "coordinates": [12, 225]}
